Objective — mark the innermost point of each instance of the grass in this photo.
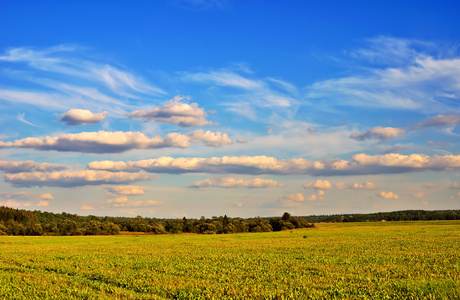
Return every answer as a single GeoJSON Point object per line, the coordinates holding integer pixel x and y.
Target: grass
{"type": "Point", "coordinates": [393, 260]}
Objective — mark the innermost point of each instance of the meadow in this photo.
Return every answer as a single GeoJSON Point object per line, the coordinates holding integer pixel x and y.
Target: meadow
{"type": "Point", "coordinates": [392, 260]}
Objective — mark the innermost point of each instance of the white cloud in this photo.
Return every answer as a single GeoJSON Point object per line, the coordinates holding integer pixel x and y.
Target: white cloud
{"type": "Point", "coordinates": [319, 184]}
{"type": "Point", "coordinates": [127, 190]}
{"type": "Point", "coordinates": [360, 164]}
{"type": "Point", "coordinates": [388, 195]}
{"type": "Point", "coordinates": [116, 142]}
{"type": "Point", "coordinates": [175, 112]}
{"type": "Point", "coordinates": [28, 166]}
{"type": "Point", "coordinates": [365, 186]}
{"type": "Point", "coordinates": [379, 133]}
{"type": "Point", "coordinates": [76, 178]}
{"type": "Point", "coordinates": [82, 117]}
{"type": "Point", "coordinates": [227, 182]}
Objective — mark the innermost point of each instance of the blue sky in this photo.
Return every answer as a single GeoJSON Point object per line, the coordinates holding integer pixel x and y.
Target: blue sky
{"type": "Point", "coordinates": [245, 108]}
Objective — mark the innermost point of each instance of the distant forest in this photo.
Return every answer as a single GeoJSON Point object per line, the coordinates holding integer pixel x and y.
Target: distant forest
{"type": "Point", "coordinates": [25, 222]}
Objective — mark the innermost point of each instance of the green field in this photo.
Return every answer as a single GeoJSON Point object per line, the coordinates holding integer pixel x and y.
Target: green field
{"type": "Point", "coordinates": [393, 260]}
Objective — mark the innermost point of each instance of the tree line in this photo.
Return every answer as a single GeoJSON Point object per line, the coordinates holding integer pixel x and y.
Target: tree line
{"type": "Point", "coordinates": [403, 215]}
{"type": "Point", "coordinates": [25, 222]}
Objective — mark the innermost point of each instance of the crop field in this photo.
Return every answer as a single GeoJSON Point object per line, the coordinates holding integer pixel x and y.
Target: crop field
{"type": "Point", "coordinates": [393, 260]}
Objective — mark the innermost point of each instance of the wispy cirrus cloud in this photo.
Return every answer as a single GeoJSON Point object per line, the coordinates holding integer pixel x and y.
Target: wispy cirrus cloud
{"type": "Point", "coordinates": [55, 71]}
{"type": "Point", "coordinates": [248, 93]}
{"type": "Point", "coordinates": [399, 74]}
{"type": "Point", "coordinates": [21, 118]}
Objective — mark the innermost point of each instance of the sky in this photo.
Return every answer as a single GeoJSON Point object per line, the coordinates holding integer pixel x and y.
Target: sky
{"type": "Point", "coordinates": [199, 108]}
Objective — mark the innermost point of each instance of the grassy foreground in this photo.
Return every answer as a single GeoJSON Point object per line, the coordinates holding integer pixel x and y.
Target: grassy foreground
{"type": "Point", "coordinates": [397, 260]}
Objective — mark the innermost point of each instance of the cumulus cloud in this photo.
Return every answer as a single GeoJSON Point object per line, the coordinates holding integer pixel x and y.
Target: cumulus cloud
{"type": "Point", "coordinates": [124, 202]}
{"type": "Point", "coordinates": [227, 182]}
{"type": "Point", "coordinates": [430, 185]}
{"type": "Point", "coordinates": [127, 190]}
{"type": "Point", "coordinates": [439, 120]}
{"type": "Point", "coordinates": [418, 195]}
{"type": "Point", "coordinates": [28, 166]}
{"type": "Point", "coordinates": [313, 197]}
{"type": "Point", "coordinates": [82, 117]}
{"type": "Point", "coordinates": [39, 199]}
{"type": "Point", "coordinates": [175, 112]}
{"type": "Point", "coordinates": [360, 164]}
{"type": "Point", "coordinates": [118, 141]}
{"type": "Point", "coordinates": [365, 186]}
{"type": "Point", "coordinates": [86, 207]}
{"type": "Point", "coordinates": [77, 178]}
{"type": "Point", "coordinates": [18, 195]}
{"type": "Point", "coordinates": [292, 200]}
{"type": "Point", "coordinates": [43, 203]}
{"type": "Point", "coordinates": [226, 164]}
{"type": "Point", "coordinates": [319, 184]}
{"type": "Point", "coordinates": [455, 185]}
{"type": "Point", "coordinates": [12, 203]}
{"type": "Point", "coordinates": [209, 138]}
{"type": "Point", "coordinates": [340, 185]}
{"type": "Point", "coordinates": [379, 133]}
{"type": "Point", "coordinates": [388, 195]}
{"type": "Point", "coordinates": [46, 196]}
